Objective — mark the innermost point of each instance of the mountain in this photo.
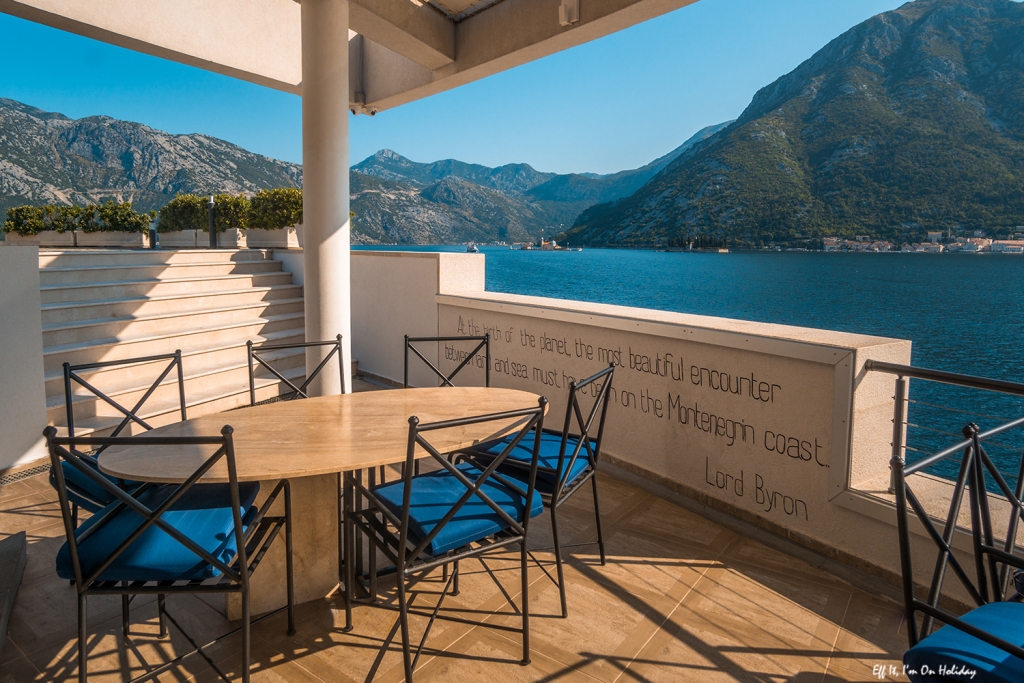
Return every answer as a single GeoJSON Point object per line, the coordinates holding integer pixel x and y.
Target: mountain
{"type": "Point", "coordinates": [50, 158]}
{"type": "Point", "coordinates": [399, 200]}
{"type": "Point", "coordinates": [910, 121]}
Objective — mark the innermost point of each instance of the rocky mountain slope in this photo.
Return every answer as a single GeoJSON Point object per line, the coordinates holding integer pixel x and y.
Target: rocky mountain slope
{"type": "Point", "coordinates": [910, 121]}
{"type": "Point", "coordinates": [50, 158]}
{"type": "Point", "coordinates": [398, 200]}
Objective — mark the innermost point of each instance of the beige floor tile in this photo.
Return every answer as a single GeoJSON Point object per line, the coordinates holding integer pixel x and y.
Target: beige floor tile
{"type": "Point", "coordinates": [18, 670]}
{"type": "Point", "coordinates": [679, 599]}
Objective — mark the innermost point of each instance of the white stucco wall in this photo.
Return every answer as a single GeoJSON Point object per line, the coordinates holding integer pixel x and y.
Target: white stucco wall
{"type": "Point", "coordinates": [393, 295]}
{"type": "Point", "coordinates": [22, 394]}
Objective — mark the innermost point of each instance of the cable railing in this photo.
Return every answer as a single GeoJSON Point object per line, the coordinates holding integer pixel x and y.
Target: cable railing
{"type": "Point", "coordinates": [930, 432]}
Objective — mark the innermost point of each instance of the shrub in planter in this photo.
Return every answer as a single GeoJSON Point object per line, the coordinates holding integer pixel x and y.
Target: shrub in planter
{"type": "Point", "coordinates": [113, 224]}
{"type": "Point", "coordinates": [230, 218]}
{"type": "Point", "coordinates": [184, 212]}
{"type": "Point", "coordinates": [275, 209]}
{"type": "Point", "coordinates": [181, 219]}
{"type": "Point", "coordinates": [24, 220]}
{"type": "Point", "coordinates": [33, 225]}
{"type": "Point", "coordinates": [273, 217]}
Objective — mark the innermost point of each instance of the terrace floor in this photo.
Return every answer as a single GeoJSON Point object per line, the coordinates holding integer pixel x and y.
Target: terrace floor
{"type": "Point", "coordinates": [680, 598]}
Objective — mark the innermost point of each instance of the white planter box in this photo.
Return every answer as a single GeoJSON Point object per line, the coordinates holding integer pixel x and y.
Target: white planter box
{"type": "Point", "coordinates": [47, 238]}
{"type": "Point", "coordinates": [185, 239]}
{"type": "Point", "coordinates": [232, 238]}
{"type": "Point", "coordinates": [130, 240]}
{"type": "Point", "coordinates": [284, 238]}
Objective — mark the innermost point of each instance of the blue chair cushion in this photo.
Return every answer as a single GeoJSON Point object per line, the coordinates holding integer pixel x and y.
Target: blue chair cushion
{"type": "Point", "coordinates": [83, 491]}
{"type": "Point", "coordinates": [550, 446]}
{"type": "Point", "coordinates": [950, 650]}
{"type": "Point", "coordinates": [203, 515]}
{"type": "Point", "coordinates": [435, 493]}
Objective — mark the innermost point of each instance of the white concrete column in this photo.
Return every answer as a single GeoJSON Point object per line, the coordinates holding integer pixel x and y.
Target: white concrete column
{"type": "Point", "coordinates": [325, 184]}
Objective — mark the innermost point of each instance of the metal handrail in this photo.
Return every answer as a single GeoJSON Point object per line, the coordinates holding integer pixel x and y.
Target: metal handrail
{"type": "Point", "coordinates": [904, 373]}
{"type": "Point", "coordinates": [971, 381]}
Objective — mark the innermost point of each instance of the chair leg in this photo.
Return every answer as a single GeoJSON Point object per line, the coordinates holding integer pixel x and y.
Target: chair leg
{"type": "Point", "coordinates": [558, 559]}
{"type": "Point", "coordinates": [350, 554]}
{"type": "Point", "coordinates": [124, 611]}
{"type": "Point", "coordinates": [455, 579]}
{"type": "Point", "coordinates": [82, 659]}
{"type": "Point", "coordinates": [526, 602]}
{"type": "Point", "coordinates": [246, 626]}
{"type": "Point", "coordinates": [289, 562]}
{"type": "Point", "coordinates": [161, 606]}
{"type": "Point", "coordinates": [403, 620]}
{"type": "Point", "coordinates": [597, 518]}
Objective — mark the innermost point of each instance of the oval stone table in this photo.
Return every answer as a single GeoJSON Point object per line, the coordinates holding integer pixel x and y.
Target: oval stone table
{"type": "Point", "coordinates": [309, 442]}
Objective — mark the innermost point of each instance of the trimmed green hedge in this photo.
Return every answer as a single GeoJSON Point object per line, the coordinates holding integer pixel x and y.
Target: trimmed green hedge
{"type": "Point", "coordinates": [184, 212]}
{"type": "Point", "coordinates": [278, 208]}
{"type": "Point", "coordinates": [110, 216]}
{"type": "Point", "coordinates": [267, 210]}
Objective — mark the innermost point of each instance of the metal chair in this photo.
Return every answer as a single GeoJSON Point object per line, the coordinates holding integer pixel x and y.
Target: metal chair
{"type": "Point", "coordinates": [568, 459]}
{"type": "Point", "coordinates": [439, 518]}
{"type": "Point", "coordinates": [989, 639]}
{"type": "Point", "coordinates": [185, 538]}
{"type": "Point", "coordinates": [446, 380]}
{"type": "Point", "coordinates": [81, 490]}
{"type": "Point", "coordinates": [256, 355]}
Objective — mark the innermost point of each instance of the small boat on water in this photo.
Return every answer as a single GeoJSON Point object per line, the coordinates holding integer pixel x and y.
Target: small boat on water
{"type": "Point", "coordinates": [471, 248]}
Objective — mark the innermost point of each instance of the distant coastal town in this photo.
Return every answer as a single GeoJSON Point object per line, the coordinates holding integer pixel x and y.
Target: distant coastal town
{"type": "Point", "coordinates": [937, 242]}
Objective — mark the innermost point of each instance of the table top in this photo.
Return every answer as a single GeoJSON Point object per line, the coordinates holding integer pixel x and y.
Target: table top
{"type": "Point", "coordinates": [321, 435]}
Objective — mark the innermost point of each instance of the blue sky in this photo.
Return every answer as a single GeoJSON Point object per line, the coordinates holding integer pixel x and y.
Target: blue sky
{"type": "Point", "coordinates": [611, 104]}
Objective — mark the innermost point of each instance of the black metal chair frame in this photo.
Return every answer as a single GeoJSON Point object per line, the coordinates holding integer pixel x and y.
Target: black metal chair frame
{"type": "Point", "coordinates": [575, 425]}
{"type": "Point", "coordinates": [254, 355]}
{"type": "Point", "coordinates": [389, 533]}
{"type": "Point", "coordinates": [252, 544]}
{"type": "Point", "coordinates": [992, 576]}
{"type": "Point", "coordinates": [446, 380]}
{"type": "Point", "coordinates": [130, 415]}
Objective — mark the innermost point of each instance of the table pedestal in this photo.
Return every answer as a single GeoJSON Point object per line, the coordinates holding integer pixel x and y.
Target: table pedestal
{"type": "Point", "coordinates": [314, 548]}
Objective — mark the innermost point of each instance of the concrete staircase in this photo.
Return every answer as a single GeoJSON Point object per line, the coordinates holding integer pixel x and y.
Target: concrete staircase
{"type": "Point", "coordinates": [110, 305]}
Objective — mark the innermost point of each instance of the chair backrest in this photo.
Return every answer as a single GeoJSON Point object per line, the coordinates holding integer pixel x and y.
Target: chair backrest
{"type": "Point", "coordinates": [256, 356]}
{"type": "Point", "coordinates": [992, 575]}
{"type": "Point", "coordinates": [523, 421]}
{"type": "Point", "coordinates": [581, 424]}
{"type": "Point", "coordinates": [131, 415]}
{"type": "Point", "coordinates": [483, 342]}
{"type": "Point", "coordinates": [66, 450]}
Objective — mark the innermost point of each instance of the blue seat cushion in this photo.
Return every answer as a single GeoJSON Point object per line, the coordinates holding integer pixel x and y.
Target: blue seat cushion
{"type": "Point", "coordinates": [203, 515]}
{"type": "Point", "coordinates": [950, 648]}
{"type": "Point", "coordinates": [83, 491]}
{"type": "Point", "coordinates": [550, 447]}
{"type": "Point", "coordinates": [433, 495]}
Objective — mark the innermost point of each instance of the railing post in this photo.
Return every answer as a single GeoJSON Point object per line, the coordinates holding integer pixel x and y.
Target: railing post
{"type": "Point", "coordinates": [899, 417]}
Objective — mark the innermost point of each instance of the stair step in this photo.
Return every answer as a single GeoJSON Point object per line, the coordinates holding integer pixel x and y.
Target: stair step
{"type": "Point", "coordinates": [116, 349]}
{"type": "Point", "coordinates": [151, 271]}
{"type": "Point", "coordinates": [199, 380]}
{"type": "Point", "coordinates": [194, 361]}
{"type": "Point", "coordinates": [214, 400]}
{"type": "Point", "coordinates": [114, 258]}
{"type": "Point", "coordinates": [55, 313]}
{"type": "Point", "coordinates": [61, 334]}
{"type": "Point", "coordinates": [94, 291]}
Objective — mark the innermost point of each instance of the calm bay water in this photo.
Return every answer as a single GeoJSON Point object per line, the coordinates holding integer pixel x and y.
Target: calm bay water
{"type": "Point", "coordinates": [962, 312]}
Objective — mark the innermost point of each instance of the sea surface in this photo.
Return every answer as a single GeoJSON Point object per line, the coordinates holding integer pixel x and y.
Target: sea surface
{"type": "Point", "coordinates": [963, 313]}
